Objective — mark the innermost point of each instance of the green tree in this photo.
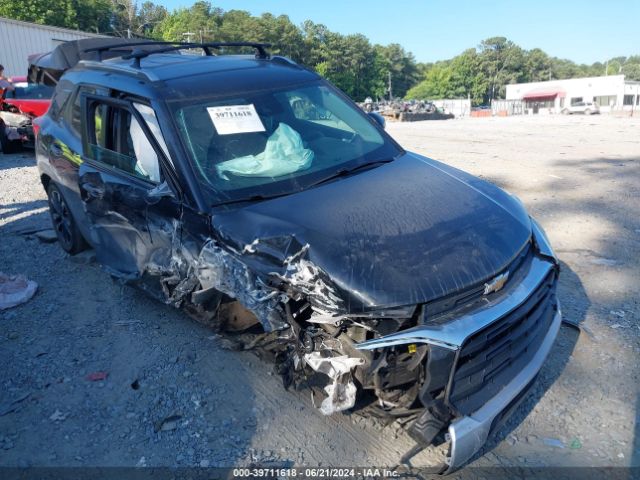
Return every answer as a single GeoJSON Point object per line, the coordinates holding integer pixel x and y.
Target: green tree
{"type": "Point", "coordinates": [437, 84]}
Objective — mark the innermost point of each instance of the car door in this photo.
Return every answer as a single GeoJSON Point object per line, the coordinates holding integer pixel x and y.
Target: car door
{"type": "Point", "coordinates": [127, 187]}
{"type": "Point", "coordinates": [60, 142]}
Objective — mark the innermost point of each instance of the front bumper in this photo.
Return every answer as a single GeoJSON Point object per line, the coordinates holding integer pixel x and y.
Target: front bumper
{"type": "Point", "coordinates": [468, 434]}
{"type": "Point", "coordinates": [470, 430]}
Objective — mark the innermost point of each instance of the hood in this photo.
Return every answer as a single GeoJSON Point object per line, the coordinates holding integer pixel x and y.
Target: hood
{"type": "Point", "coordinates": [404, 233]}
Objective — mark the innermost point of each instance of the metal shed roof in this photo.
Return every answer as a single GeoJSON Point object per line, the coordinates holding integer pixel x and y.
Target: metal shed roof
{"type": "Point", "coordinates": [21, 39]}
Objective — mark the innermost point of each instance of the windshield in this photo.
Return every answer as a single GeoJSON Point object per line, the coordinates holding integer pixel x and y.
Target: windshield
{"type": "Point", "coordinates": [276, 142]}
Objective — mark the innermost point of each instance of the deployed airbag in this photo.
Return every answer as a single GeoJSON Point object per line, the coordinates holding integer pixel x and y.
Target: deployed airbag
{"type": "Point", "coordinates": [283, 154]}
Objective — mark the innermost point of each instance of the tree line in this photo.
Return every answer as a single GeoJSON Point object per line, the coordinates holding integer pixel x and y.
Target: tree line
{"type": "Point", "coordinates": [482, 73]}
{"type": "Point", "coordinates": [358, 67]}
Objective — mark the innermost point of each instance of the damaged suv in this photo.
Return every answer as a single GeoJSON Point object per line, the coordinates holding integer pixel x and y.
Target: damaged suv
{"type": "Point", "coordinates": [255, 195]}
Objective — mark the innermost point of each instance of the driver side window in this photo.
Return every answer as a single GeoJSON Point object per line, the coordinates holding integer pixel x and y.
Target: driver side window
{"type": "Point", "coordinates": [117, 140]}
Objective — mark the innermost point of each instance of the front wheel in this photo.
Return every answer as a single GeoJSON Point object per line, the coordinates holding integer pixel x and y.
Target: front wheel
{"type": "Point", "coordinates": [565, 111]}
{"type": "Point", "coordinates": [67, 231]}
{"type": "Point", "coordinates": [587, 112]}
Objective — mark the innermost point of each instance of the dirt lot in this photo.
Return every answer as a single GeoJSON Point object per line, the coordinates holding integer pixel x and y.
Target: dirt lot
{"type": "Point", "coordinates": [580, 176]}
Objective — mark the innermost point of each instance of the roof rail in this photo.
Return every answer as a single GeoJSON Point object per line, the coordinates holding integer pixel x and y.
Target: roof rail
{"type": "Point", "coordinates": [138, 53]}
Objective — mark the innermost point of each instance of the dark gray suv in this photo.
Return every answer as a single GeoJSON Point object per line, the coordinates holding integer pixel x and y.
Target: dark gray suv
{"type": "Point", "coordinates": [255, 195]}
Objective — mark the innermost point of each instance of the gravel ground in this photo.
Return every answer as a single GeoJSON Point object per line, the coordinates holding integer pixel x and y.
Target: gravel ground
{"type": "Point", "coordinates": [173, 396]}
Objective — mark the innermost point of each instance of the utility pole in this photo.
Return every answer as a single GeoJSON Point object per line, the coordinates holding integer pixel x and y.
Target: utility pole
{"type": "Point", "coordinates": [390, 91]}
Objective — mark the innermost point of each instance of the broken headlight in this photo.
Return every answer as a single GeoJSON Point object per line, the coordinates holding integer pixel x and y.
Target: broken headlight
{"type": "Point", "coordinates": [390, 320]}
{"type": "Point", "coordinates": [542, 241]}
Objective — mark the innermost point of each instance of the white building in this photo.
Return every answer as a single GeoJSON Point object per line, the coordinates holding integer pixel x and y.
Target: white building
{"type": "Point", "coordinates": [19, 39]}
{"type": "Point", "coordinates": [611, 93]}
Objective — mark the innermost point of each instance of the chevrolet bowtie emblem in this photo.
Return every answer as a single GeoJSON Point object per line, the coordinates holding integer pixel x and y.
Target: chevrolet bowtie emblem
{"type": "Point", "coordinates": [496, 283]}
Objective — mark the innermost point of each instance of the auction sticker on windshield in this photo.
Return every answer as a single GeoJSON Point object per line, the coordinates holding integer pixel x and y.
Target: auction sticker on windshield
{"type": "Point", "coordinates": [230, 119]}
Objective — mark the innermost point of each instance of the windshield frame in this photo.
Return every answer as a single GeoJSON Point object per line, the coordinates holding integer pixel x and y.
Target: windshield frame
{"type": "Point", "coordinates": [216, 197]}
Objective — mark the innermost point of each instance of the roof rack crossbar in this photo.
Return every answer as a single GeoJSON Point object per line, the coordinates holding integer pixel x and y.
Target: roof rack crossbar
{"type": "Point", "coordinates": [260, 48]}
{"type": "Point", "coordinates": [140, 53]}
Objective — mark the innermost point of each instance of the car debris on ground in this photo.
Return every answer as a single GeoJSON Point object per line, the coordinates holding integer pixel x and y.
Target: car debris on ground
{"type": "Point", "coordinates": [15, 289]}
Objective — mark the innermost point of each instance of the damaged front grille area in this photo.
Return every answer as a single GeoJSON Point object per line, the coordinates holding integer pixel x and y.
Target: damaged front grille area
{"type": "Point", "coordinates": [446, 309]}
{"type": "Point", "coordinates": [490, 358]}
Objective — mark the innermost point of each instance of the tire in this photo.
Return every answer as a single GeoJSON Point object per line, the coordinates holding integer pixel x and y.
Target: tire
{"type": "Point", "coordinates": [69, 236]}
{"type": "Point", "coordinates": [587, 112]}
{"type": "Point", "coordinates": [565, 111]}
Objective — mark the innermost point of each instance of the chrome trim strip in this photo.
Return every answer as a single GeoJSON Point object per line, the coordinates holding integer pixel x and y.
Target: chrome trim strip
{"type": "Point", "coordinates": [468, 434]}
{"type": "Point", "coordinates": [451, 335]}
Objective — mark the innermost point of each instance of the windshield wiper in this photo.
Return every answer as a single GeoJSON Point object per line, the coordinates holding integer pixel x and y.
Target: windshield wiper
{"type": "Point", "coordinates": [344, 172]}
{"type": "Point", "coordinates": [252, 198]}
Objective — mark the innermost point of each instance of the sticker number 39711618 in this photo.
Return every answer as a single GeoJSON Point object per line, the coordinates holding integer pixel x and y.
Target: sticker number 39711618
{"type": "Point", "coordinates": [230, 119]}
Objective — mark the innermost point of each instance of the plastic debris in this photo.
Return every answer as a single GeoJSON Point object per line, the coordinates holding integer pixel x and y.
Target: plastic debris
{"type": "Point", "coordinates": [553, 442]}
{"type": "Point", "coordinates": [97, 376]}
{"type": "Point", "coordinates": [167, 423]}
{"type": "Point", "coordinates": [575, 444]}
{"type": "Point", "coordinates": [13, 405]}
{"type": "Point", "coordinates": [341, 392]}
{"type": "Point", "coordinates": [58, 416]}
{"type": "Point", "coordinates": [605, 262]}
{"type": "Point", "coordinates": [15, 289]}
{"type": "Point", "coordinates": [47, 236]}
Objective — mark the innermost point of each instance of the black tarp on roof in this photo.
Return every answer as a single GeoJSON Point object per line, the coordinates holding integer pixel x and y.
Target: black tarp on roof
{"type": "Point", "coordinates": [47, 68]}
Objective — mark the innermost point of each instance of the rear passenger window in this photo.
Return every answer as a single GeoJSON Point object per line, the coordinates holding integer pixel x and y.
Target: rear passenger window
{"type": "Point", "coordinates": [116, 139]}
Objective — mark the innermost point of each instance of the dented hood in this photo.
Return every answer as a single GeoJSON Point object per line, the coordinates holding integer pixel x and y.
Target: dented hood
{"type": "Point", "coordinates": [407, 232]}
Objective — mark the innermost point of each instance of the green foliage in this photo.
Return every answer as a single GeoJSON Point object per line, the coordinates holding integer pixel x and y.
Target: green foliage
{"type": "Point", "coordinates": [350, 61]}
{"type": "Point", "coordinates": [482, 73]}
{"type": "Point", "coordinates": [89, 15]}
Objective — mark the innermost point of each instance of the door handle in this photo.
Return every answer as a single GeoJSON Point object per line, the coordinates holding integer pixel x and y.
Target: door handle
{"type": "Point", "coordinates": [55, 149]}
{"type": "Point", "coordinates": [92, 190]}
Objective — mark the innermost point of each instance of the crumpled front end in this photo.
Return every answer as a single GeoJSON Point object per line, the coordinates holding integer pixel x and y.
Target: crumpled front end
{"type": "Point", "coordinates": [454, 367]}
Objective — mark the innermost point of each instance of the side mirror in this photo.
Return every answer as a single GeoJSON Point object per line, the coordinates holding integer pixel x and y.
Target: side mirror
{"type": "Point", "coordinates": [378, 118]}
{"type": "Point", "coordinates": [156, 193]}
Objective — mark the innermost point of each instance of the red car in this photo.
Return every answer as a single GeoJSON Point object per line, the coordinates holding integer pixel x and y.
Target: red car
{"type": "Point", "coordinates": [18, 108]}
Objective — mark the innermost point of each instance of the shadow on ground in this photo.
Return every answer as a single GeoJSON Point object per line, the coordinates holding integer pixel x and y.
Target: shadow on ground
{"type": "Point", "coordinates": [171, 397]}
{"type": "Point", "coordinates": [17, 160]}
{"type": "Point", "coordinates": [604, 192]}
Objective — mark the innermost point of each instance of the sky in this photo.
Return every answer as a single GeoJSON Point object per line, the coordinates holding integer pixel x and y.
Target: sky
{"type": "Point", "coordinates": [584, 31]}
